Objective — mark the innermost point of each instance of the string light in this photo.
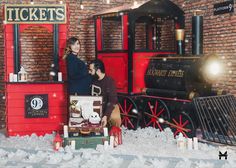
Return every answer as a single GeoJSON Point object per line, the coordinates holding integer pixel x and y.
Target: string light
{"type": "Point", "coordinates": [81, 5]}
{"type": "Point", "coordinates": [108, 1]}
{"type": "Point", "coordinates": [61, 2]}
{"type": "Point", "coordinates": [135, 3]}
{"type": "Point", "coordinates": [31, 2]}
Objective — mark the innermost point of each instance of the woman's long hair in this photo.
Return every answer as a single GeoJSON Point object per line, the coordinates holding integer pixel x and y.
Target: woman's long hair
{"type": "Point", "coordinates": [70, 41]}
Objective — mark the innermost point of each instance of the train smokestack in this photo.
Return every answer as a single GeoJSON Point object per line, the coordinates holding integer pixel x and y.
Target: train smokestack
{"type": "Point", "coordinates": [180, 41]}
{"type": "Point", "coordinates": [197, 34]}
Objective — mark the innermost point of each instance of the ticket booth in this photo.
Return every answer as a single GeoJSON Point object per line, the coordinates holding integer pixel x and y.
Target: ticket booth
{"type": "Point", "coordinates": [35, 38]}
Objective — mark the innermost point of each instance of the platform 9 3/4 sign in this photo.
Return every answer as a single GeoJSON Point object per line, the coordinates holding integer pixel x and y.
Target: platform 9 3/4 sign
{"type": "Point", "coordinates": [36, 106]}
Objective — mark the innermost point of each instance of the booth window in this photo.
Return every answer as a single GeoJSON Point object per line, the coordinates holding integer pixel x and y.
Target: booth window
{"type": "Point", "coordinates": [112, 33]}
{"type": "Point", "coordinates": [37, 52]}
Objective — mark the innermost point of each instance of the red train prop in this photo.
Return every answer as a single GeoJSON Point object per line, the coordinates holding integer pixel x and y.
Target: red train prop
{"type": "Point", "coordinates": [155, 81]}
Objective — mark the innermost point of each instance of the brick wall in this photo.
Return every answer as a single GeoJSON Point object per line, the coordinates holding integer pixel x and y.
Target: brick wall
{"type": "Point", "coordinates": [37, 52]}
{"type": "Point", "coordinates": [219, 35]}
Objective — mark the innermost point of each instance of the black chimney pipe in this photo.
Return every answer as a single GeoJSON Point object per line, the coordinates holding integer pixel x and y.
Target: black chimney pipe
{"type": "Point", "coordinates": [197, 35]}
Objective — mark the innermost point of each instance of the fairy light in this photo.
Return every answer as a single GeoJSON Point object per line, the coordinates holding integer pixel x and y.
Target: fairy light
{"type": "Point", "coordinates": [135, 3]}
{"type": "Point", "coordinates": [61, 2]}
{"type": "Point", "coordinates": [81, 5]}
{"type": "Point", "coordinates": [108, 1]}
{"type": "Point", "coordinates": [31, 2]}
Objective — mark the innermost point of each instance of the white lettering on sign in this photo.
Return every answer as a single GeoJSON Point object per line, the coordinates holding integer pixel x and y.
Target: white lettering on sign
{"type": "Point", "coordinates": [35, 14]}
{"type": "Point", "coordinates": [36, 103]}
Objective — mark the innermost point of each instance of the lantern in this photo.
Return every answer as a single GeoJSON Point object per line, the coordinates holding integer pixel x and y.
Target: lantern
{"type": "Point", "coordinates": [116, 132]}
{"type": "Point", "coordinates": [22, 75]}
{"type": "Point", "coordinates": [57, 142]}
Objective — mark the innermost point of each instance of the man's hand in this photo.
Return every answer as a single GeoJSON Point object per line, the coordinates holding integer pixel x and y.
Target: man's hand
{"type": "Point", "coordinates": [104, 121]}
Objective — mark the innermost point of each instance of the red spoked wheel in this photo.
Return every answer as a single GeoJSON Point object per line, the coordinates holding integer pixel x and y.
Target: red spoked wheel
{"type": "Point", "coordinates": [129, 112]}
{"type": "Point", "coordinates": [155, 113]}
{"type": "Point", "coordinates": [183, 123]}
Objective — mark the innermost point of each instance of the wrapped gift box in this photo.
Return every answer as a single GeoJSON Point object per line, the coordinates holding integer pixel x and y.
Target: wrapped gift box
{"type": "Point", "coordinates": [86, 142]}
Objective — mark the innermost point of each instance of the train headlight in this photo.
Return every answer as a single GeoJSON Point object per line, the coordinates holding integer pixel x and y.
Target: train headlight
{"type": "Point", "coordinates": [212, 69]}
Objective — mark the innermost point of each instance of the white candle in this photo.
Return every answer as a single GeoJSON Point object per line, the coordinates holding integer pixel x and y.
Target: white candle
{"type": "Point", "coordinates": [59, 76]}
{"type": "Point", "coordinates": [15, 77]}
{"type": "Point", "coordinates": [190, 144]}
{"type": "Point", "coordinates": [106, 145]}
{"type": "Point", "coordinates": [105, 131]}
{"type": "Point", "coordinates": [111, 141]}
{"type": "Point", "coordinates": [181, 145]}
{"type": "Point", "coordinates": [195, 143]}
{"type": "Point", "coordinates": [72, 144]}
{"type": "Point", "coordinates": [11, 77]}
{"type": "Point", "coordinates": [65, 129]}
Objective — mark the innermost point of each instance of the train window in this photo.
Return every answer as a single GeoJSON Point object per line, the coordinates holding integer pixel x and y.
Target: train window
{"type": "Point", "coordinates": [167, 39]}
{"type": "Point", "coordinates": [156, 34]}
{"type": "Point", "coordinates": [112, 33]}
{"type": "Point", "coordinates": [140, 36]}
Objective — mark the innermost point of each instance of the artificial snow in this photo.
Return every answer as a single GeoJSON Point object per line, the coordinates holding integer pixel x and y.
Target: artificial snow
{"type": "Point", "coordinates": [144, 148]}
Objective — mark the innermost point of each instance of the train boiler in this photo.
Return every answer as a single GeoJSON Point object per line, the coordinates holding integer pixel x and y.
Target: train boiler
{"type": "Point", "coordinates": [143, 48]}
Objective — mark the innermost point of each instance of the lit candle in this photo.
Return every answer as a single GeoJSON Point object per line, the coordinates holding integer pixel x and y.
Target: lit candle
{"type": "Point", "coordinates": [72, 145]}
{"type": "Point", "coordinates": [65, 129]}
{"type": "Point", "coordinates": [195, 143]}
{"type": "Point", "coordinates": [59, 76]}
{"type": "Point", "coordinates": [106, 145]}
{"type": "Point", "coordinates": [15, 77]}
{"type": "Point", "coordinates": [105, 131]}
{"type": "Point", "coordinates": [11, 77]}
{"type": "Point", "coordinates": [111, 141]}
{"type": "Point", "coordinates": [190, 144]}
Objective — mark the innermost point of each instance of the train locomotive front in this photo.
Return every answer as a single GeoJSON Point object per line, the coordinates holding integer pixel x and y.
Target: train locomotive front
{"type": "Point", "coordinates": [156, 82]}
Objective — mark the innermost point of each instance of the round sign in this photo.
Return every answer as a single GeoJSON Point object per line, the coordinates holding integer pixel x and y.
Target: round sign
{"type": "Point", "coordinates": [36, 103]}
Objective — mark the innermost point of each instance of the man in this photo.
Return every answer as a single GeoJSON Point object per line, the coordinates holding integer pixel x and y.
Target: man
{"type": "Point", "coordinates": [104, 86]}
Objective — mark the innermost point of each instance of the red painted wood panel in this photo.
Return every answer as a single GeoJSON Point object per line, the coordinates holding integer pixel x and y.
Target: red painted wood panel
{"type": "Point", "coordinates": [117, 67]}
{"type": "Point", "coordinates": [34, 127]}
{"type": "Point", "coordinates": [25, 26]}
{"type": "Point", "coordinates": [24, 133]}
{"type": "Point", "coordinates": [9, 28]}
{"type": "Point", "coordinates": [34, 88]}
{"type": "Point", "coordinates": [20, 111]}
{"type": "Point", "coordinates": [51, 119]}
{"type": "Point", "coordinates": [15, 105]}
{"type": "Point", "coordinates": [99, 34]}
{"type": "Point", "coordinates": [62, 28]}
{"type": "Point", "coordinates": [9, 36]}
{"type": "Point", "coordinates": [125, 32]}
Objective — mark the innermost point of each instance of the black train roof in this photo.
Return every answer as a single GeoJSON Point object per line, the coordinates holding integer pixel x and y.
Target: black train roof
{"type": "Point", "coordinates": [161, 8]}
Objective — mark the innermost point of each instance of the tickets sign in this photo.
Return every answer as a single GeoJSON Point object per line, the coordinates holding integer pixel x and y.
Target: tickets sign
{"type": "Point", "coordinates": [35, 14]}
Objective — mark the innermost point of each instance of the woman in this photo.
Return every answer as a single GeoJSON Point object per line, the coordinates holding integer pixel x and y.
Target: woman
{"type": "Point", "coordinates": [78, 77]}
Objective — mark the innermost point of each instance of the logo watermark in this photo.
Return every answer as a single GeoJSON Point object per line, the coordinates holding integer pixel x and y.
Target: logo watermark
{"type": "Point", "coordinates": [223, 155]}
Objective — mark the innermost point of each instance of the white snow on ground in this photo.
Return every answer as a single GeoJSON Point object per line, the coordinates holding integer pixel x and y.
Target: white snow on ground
{"type": "Point", "coordinates": [144, 148]}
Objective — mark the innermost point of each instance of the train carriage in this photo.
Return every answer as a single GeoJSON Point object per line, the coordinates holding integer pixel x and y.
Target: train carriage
{"type": "Point", "coordinates": [142, 46]}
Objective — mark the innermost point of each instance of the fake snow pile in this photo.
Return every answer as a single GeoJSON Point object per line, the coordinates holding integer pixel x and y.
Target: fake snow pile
{"type": "Point", "coordinates": [144, 148]}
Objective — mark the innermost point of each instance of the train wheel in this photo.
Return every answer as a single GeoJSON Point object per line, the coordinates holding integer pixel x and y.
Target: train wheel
{"type": "Point", "coordinates": [183, 123]}
{"type": "Point", "coordinates": [155, 110]}
{"type": "Point", "coordinates": [129, 112]}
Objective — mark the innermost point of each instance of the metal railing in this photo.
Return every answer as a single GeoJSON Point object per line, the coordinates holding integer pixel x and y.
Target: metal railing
{"type": "Point", "coordinates": [217, 117]}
